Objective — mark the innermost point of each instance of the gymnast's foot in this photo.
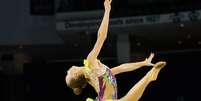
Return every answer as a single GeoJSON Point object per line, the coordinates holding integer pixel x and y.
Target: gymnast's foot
{"type": "Point", "coordinates": [155, 70]}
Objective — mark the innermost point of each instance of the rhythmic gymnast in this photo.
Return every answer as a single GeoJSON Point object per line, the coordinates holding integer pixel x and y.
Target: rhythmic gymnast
{"type": "Point", "coordinates": [102, 78]}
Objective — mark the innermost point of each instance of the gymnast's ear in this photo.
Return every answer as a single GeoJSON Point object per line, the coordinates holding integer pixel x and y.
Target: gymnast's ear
{"type": "Point", "coordinates": [77, 91]}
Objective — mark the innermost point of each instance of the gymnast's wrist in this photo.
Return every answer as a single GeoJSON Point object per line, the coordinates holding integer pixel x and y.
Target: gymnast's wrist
{"type": "Point", "coordinates": [107, 10]}
{"type": "Point", "coordinates": [144, 63]}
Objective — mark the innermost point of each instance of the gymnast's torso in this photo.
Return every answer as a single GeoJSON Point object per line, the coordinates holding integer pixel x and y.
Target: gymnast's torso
{"type": "Point", "coordinates": [103, 81]}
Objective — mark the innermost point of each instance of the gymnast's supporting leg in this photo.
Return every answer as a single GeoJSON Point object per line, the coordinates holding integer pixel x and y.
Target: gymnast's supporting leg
{"type": "Point", "coordinates": [137, 91]}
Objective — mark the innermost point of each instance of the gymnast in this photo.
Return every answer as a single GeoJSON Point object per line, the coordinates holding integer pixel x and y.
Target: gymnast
{"type": "Point", "coordinates": [102, 78]}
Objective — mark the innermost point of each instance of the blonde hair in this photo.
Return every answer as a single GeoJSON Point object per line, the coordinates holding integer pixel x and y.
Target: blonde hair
{"type": "Point", "coordinates": [76, 81]}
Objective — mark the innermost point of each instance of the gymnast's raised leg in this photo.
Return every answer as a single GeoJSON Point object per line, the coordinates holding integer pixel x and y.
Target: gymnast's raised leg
{"type": "Point", "coordinates": [137, 91]}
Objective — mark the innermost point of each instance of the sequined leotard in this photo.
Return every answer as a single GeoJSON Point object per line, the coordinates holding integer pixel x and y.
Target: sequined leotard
{"type": "Point", "coordinates": [103, 81]}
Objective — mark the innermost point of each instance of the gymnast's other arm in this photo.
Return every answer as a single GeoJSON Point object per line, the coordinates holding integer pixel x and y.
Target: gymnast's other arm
{"type": "Point", "coordinates": [102, 34]}
{"type": "Point", "coordinates": [132, 66]}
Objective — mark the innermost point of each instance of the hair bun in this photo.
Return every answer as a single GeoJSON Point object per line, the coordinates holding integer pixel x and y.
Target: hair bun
{"type": "Point", "coordinates": [77, 91]}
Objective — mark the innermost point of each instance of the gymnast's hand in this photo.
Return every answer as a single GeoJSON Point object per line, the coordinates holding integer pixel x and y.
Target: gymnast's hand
{"type": "Point", "coordinates": [149, 59]}
{"type": "Point", "coordinates": [107, 5]}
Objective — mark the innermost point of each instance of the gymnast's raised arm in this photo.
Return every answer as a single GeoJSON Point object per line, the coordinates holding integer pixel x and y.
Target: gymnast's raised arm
{"type": "Point", "coordinates": [102, 34]}
{"type": "Point", "coordinates": [127, 67]}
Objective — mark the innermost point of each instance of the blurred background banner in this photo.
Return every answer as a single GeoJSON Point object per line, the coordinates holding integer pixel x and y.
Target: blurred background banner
{"type": "Point", "coordinates": [85, 25]}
